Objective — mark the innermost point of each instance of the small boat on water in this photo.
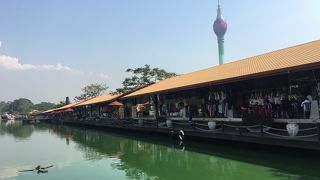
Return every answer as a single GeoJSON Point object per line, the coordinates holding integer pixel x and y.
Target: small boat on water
{"type": "Point", "coordinates": [6, 117]}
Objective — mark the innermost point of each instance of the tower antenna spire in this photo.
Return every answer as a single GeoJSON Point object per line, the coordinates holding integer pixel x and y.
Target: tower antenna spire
{"type": "Point", "coordinates": [220, 28]}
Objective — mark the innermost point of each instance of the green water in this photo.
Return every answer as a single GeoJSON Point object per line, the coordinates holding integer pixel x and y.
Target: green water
{"type": "Point", "coordinates": [78, 153]}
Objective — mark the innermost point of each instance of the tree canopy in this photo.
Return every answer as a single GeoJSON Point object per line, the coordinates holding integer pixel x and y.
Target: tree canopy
{"type": "Point", "coordinates": [3, 106]}
{"type": "Point", "coordinates": [143, 76]}
{"type": "Point", "coordinates": [91, 91]}
{"type": "Point", "coordinates": [60, 104]}
{"type": "Point", "coordinates": [22, 106]}
{"type": "Point", "coordinates": [43, 106]}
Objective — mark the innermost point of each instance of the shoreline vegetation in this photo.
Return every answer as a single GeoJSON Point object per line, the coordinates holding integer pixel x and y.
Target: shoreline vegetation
{"type": "Point", "coordinates": [141, 76]}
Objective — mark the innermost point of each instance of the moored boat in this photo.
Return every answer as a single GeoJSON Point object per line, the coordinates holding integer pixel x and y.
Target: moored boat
{"type": "Point", "coordinates": [6, 117]}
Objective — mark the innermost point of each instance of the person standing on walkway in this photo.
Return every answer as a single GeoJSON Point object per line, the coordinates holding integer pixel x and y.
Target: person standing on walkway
{"type": "Point", "coordinates": [306, 104]}
{"type": "Point", "coordinates": [191, 113]}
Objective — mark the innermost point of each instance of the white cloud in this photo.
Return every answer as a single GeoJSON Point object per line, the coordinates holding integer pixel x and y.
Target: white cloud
{"type": "Point", "coordinates": [0, 43]}
{"type": "Point", "coordinates": [46, 82]}
{"type": "Point", "coordinates": [13, 64]}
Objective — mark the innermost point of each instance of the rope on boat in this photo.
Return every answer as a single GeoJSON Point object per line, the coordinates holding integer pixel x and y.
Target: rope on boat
{"type": "Point", "coordinates": [278, 135]}
{"type": "Point", "coordinates": [277, 129]}
{"type": "Point", "coordinates": [308, 129]}
{"type": "Point", "coordinates": [284, 136]}
{"type": "Point", "coordinates": [199, 124]}
{"type": "Point", "coordinates": [284, 130]}
{"type": "Point", "coordinates": [253, 126]}
{"type": "Point", "coordinates": [306, 136]}
{"type": "Point", "coordinates": [149, 122]}
{"type": "Point", "coordinates": [232, 126]}
{"type": "Point", "coordinates": [208, 130]}
{"type": "Point", "coordinates": [184, 124]}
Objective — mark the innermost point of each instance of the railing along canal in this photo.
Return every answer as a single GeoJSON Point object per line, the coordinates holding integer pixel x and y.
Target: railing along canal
{"type": "Point", "coordinates": [221, 127]}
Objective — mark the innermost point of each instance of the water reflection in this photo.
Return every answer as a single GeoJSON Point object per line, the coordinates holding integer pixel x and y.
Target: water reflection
{"type": "Point", "coordinates": [149, 157]}
{"type": "Point", "coordinates": [153, 158]}
{"type": "Point", "coordinates": [16, 129]}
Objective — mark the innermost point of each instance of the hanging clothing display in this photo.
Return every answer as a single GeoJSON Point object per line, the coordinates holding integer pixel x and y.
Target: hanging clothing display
{"type": "Point", "coordinates": [216, 104]}
{"type": "Point", "coordinates": [211, 104]}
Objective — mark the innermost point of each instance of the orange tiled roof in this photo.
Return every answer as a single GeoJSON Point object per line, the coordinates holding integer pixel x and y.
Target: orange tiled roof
{"type": "Point", "coordinates": [282, 60]}
{"type": "Point", "coordinates": [47, 111]}
{"type": "Point", "coordinates": [99, 99]}
{"type": "Point", "coordinates": [68, 105]}
{"type": "Point", "coordinates": [63, 107]}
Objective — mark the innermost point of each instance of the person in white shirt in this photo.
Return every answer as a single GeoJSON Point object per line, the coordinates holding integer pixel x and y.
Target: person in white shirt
{"type": "Point", "coordinates": [306, 104]}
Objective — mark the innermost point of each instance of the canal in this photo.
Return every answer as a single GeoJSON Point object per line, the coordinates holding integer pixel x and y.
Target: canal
{"type": "Point", "coordinates": [77, 153]}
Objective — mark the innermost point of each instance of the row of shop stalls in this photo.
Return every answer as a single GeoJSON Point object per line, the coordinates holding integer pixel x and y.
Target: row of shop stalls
{"type": "Point", "coordinates": [276, 93]}
{"type": "Point", "coordinates": [269, 98]}
{"type": "Point", "coordinates": [54, 115]}
{"type": "Point", "coordinates": [100, 108]}
{"type": "Point", "coordinates": [266, 101]}
{"type": "Point", "coordinates": [275, 102]}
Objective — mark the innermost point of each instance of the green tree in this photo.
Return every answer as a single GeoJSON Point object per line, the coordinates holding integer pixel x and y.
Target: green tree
{"type": "Point", "coordinates": [143, 76]}
{"type": "Point", "coordinates": [43, 106]}
{"type": "Point", "coordinates": [60, 104]}
{"type": "Point", "coordinates": [91, 91]}
{"type": "Point", "coordinates": [3, 105]}
{"type": "Point", "coordinates": [21, 106]}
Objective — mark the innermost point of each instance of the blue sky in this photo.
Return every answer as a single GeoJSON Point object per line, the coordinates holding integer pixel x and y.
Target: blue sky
{"type": "Point", "coordinates": [57, 47]}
